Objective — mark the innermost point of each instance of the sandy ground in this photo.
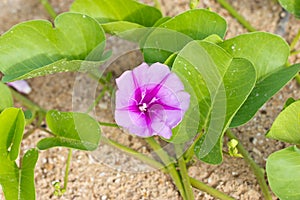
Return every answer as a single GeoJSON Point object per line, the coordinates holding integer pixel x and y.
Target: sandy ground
{"type": "Point", "coordinates": [109, 174]}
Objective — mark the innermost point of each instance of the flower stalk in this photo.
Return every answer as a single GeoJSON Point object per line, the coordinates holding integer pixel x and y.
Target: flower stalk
{"type": "Point", "coordinates": [295, 41]}
{"type": "Point", "coordinates": [157, 4]}
{"type": "Point", "coordinates": [236, 15]}
{"type": "Point", "coordinates": [194, 183]}
{"type": "Point", "coordinates": [67, 169]}
{"type": "Point", "coordinates": [205, 188]}
{"type": "Point", "coordinates": [27, 102]}
{"type": "Point", "coordinates": [140, 156]}
{"type": "Point", "coordinates": [49, 8]}
{"type": "Point", "coordinates": [184, 173]}
{"type": "Point", "coordinates": [169, 165]}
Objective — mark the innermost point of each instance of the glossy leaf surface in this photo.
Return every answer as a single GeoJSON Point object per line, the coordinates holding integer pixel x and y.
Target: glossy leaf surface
{"type": "Point", "coordinates": [172, 35]}
{"type": "Point", "coordinates": [12, 123]}
{"type": "Point", "coordinates": [18, 183]}
{"type": "Point", "coordinates": [118, 15]}
{"type": "Point", "coordinates": [268, 53]}
{"type": "Point", "coordinates": [286, 126]}
{"type": "Point", "coordinates": [35, 48]}
{"type": "Point", "coordinates": [283, 172]}
{"type": "Point", "coordinates": [74, 130]}
{"type": "Point", "coordinates": [6, 99]}
{"type": "Point", "coordinates": [213, 78]}
{"type": "Point", "coordinates": [292, 6]}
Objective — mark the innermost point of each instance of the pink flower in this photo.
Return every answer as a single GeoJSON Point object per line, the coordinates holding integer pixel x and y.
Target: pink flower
{"type": "Point", "coordinates": [21, 86]}
{"type": "Point", "coordinates": [150, 100]}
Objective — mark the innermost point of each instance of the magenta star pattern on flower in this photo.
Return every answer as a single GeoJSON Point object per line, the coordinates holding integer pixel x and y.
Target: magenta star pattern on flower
{"type": "Point", "coordinates": [150, 100]}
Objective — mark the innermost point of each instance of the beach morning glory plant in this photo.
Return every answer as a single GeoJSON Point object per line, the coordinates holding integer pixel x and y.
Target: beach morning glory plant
{"type": "Point", "coordinates": [150, 100]}
{"type": "Point", "coordinates": [211, 84]}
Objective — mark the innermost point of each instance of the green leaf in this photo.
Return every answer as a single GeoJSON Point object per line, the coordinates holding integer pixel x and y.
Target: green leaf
{"type": "Point", "coordinates": [12, 123]}
{"type": "Point", "coordinates": [292, 6]}
{"type": "Point", "coordinates": [125, 18]}
{"type": "Point", "coordinates": [288, 102]}
{"type": "Point", "coordinates": [175, 33]}
{"type": "Point", "coordinates": [28, 114]}
{"type": "Point", "coordinates": [35, 48]}
{"type": "Point", "coordinates": [161, 43]}
{"type": "Point", "coordinates": [161, 21]}
{"type": "Point", "coordinates": [70, 129]}
{"type": "Point", "coordinates": [263, 91]}
{"type": "Point", "coordinates": [117, 28]}
{"type": "Point", "coordinates": [237, 92]}
{"type": "Point", "coordinates": [214, 80]}
{"type": "Point", "coordinates": [283, 172]}
{"type": "Point", "coordinates": [106, 11]}
{"type": "Point", "coordinates": [18, 183]}
{"type": "Point", "coordinates": [6, 99]}
{"type": "Point", "coordinates": [286, 126]}
{"type": "Point", "coordinates": [213, 39]}
{"type": "Point", "coordinates": [207, 23]}
{"type": "Point", "coordinates": [268, 53]}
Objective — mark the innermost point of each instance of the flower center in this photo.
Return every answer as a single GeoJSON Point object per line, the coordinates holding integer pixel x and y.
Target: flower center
{"type": "Point", "coordinates": [143, 107]}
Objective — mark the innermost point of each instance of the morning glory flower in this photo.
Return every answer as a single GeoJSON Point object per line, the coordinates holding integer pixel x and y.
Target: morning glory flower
{"type": "Point", "coordinates": [150, 100]}
{"type": "Point", "coordinates": [21, 86]}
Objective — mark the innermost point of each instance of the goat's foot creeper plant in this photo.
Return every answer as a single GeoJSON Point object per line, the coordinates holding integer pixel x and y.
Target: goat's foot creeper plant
{"type": "Point", "coordinates": [199, 86]}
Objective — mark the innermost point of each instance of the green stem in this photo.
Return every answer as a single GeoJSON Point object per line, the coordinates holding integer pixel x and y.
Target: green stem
{"type": "Point", "coordinates": [295, 40]}
{"type": "Point", "coordinates": [98, 99]}
{"type": "Point", "coordinates": [189, 153]}
{"type": "Point", "coordinates": [292, 46]}
{"type": "Point", "coordinates": [27, 102]}
{"type": "Point", "coordinates": [157, 4]}
{"type": "Point", "coordinates": [236, 15]}
{"type": "Point", "coordinates": [47, 131]}
{"type": "Point", "coordinates": [195, 183]}
{"type": "Point", "coordinates": [184, 173]}
{"type": "Point", "coordinates": [258, 171]}
{"type": "Point", "coordinates": [38, 124]}
{"type": "Point", "coordinates": [67, 169]}
{"type": "Point", "coordinates": [49, 8]}
{"type": "Point", "coordinates": [294, 52]}
{"type": "Point", "coordinates": [134, 153]}
{"type": "Point", "coordinates": [297, 77]}
{"type": "Point", "coordinates": [170, 165]}
{"type": "Point", "coordinates": [108, 124]}
{"type": "Point", "coordinates": [159, 151]}
{"type": "Point", "coordinates": [205, 188]}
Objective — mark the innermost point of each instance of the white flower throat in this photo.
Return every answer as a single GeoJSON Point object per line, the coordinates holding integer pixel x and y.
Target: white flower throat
{"type": "Point", "coordinates": [143, 107]}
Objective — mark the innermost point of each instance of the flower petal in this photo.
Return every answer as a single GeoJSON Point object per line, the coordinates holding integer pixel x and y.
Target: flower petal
{"type": "Point", "coordinates": [161, 129]}
{"type": "Point", "coordinates": [126, 89]}
{"type": "Point", "coordinates": [157, 72]}
{"type": "Point", "coordinates": [21, 86]}
{"type": "Point", "coordinates": [174, 83]}
{"type": "Point", "coordinates": [160, 121]}
{"type": "Point", "coordinates": [133, 123]}
{"type": "Point", "coordinates": [162, 93]}
{"type": "Point", "coordinates": [140, 75]}
{"type": "Point", "coordinates": [140, 131]}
